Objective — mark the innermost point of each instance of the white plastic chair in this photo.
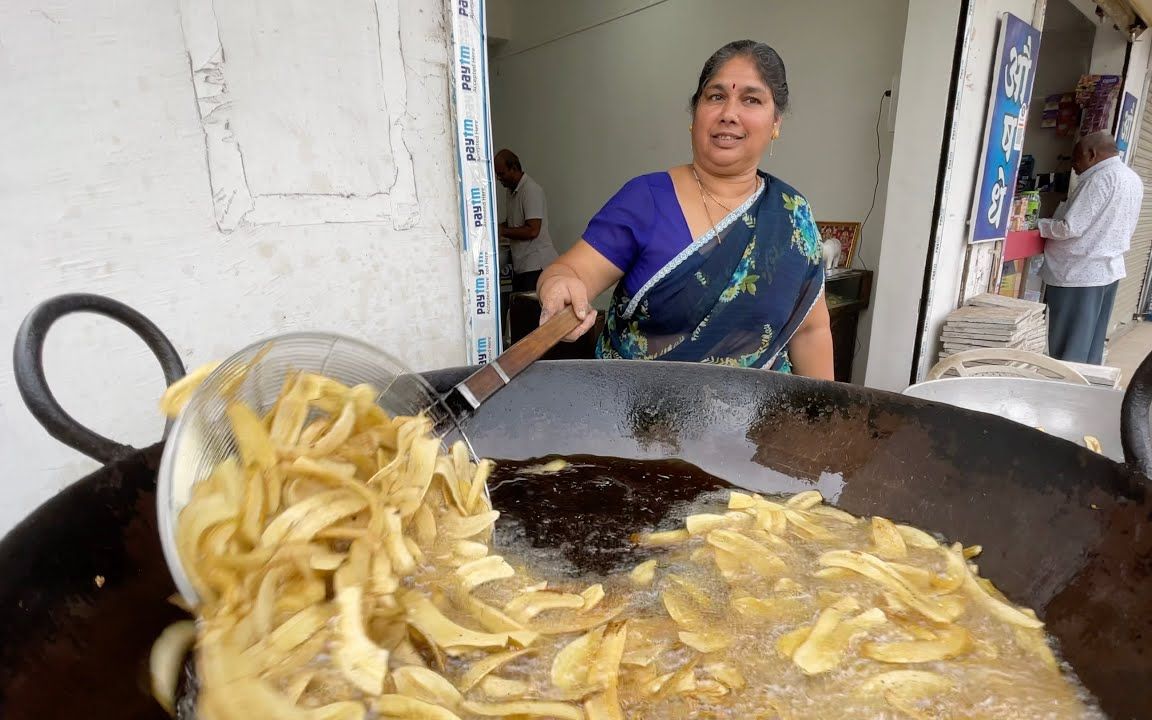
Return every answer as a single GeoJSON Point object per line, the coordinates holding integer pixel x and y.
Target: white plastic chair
{"type": "Point", "coordinates": [1005, 362]}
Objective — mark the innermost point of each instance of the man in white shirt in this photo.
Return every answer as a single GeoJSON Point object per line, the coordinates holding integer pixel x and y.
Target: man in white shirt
{"type": "Point", "coordinates": [1084, 254]}
{"type": "Point", "coordinates": [526, 228]}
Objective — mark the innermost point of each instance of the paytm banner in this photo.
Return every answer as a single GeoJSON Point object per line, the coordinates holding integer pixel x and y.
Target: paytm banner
{"type": "Point", "coordinates": [479, 249]}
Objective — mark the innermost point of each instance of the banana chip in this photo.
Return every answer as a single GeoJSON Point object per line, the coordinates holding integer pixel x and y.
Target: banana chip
{"type": "Point", "coordinates": [826, 645]}
{"type": "Point", "coordinates": [705, 522]}
{"type": "Point", "coordinates": [1003, 610]}
{"type": "Point", "coordinates": [656, 539]}
{"type": "Point", "coordinates": [592, 595]}
{"type": "Point", "coordinates": [572, 665]}
{"type": "Point", "coordinates": [705, 642]}
{"type": "Point", "coordinates": [905, 689]}
{"type": "Point", "coordinates": [683, 608]}
{"type": "Point", "coordinates": [775, 609]}
{"type": "Point", "coordinates": [745, 550]}
{"type": "Point", "coordinates": [363, 663]}
{"type": "Point", "coordinates": [876, 569]}
{"type": "Point", "coordinates": [605, 670]}
{"type": "Point", "coordinates": [951, 641]}
{"type": "Point", "coordinates": [463, 528]}
{"type": "Point", "coordinates": [772, 520]}
{"type": "Point", "coordinates": [805, 500]}
{"type": "Point", "coordinates": [487, 665]}
{"type": "Point", "coordinates": [887, 539]}
{"type": "Point", "coordinates": [558, 623]}
{"type": "Point", "coordinates": [499, 688]}
{"type": "Point", "coordinates": [603, 706]}
{"type": "Point", "coordinates": [180, 392]}
{"type": "Point", "coordinates": [804, 527]}
{"type": "Point", "coordinates": [427, 686]}
{"type": "Point", "coordinates": [494, 620]}
{"type": "Point", "coordinates": [485, 570]}
{"type": "Point", "coordinates": [727, 674]}
{"type": "Point", "coordinates": [527, 709]}
{"type": "Point", "coordinates": [529, 605]}
{"type": "Point", "coordinates": [401, 706]}
{"type": "Point", "coordinates": [425, 617]}
{"type": "Point", "coordinates": [644, 573]}
{"type": "Point", "coordinates": [790, 642]}
{"type": "Point", "coordinates": [166, 661]}
{"type": "Point", "coordinates": [742, 501]}
{"type": "Point", "coordinates": [917, 538]}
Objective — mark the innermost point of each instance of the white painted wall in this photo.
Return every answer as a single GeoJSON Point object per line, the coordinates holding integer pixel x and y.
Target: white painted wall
{"type": "Point", "coordinates": [104, 188]}
{"type": "Point", "coordinates": [498, 20]}
{"type": "Point", "coordinates": [539, 21]}
{"type": "Point", "coordinates": [588, 111]}
{"type": "Point", "coordinates": [1108, 51]}
{"type": "Point", "coordinates": [929, 47]}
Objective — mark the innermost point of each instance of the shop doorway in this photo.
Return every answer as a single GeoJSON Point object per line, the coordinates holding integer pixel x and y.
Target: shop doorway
{"type": "Point", "coordinates": [1054, 126]}
{"type": "Point", "coordinates": [591, 95]}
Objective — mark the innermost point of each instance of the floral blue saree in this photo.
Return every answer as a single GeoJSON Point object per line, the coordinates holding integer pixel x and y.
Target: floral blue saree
{"type": "Point", "coordinates": [735, 296]}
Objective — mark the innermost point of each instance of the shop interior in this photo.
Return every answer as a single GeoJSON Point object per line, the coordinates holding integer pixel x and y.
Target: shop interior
{"type": "Point", "coordinates": [1076, 91]}
{"type": "Point", "coordinates": [566, 77]}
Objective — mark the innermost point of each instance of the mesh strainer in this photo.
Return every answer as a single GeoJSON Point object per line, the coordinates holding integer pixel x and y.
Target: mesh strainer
{"type": "Point", "coordinates": [201, 437]}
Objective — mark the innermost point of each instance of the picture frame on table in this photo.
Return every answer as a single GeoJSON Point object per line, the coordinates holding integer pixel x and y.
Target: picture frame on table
{"type": "Point", "coordinates": [847, 233]}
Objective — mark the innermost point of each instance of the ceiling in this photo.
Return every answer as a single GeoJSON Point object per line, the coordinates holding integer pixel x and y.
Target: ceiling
{"type": "Point", "coordinates": [1143, 8]}
{"type": "Point", "coordinates": [1062, 16]}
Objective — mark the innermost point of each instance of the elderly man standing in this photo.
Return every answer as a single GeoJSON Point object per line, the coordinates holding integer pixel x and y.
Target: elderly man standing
{"type": "Point", "coordinates": [527, 225]}
{"type": "Point", "coordinates": [1084, 254]}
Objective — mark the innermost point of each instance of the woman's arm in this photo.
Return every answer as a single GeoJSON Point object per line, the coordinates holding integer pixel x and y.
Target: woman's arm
{"type": "Point", "coordinates": [576, 277]}
{"type": "Point", "coordinates": [811, 347]}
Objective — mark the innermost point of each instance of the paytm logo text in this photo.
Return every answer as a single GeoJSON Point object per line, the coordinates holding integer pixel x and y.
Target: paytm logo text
{"type": "Point", "coordinates": [471, 146]}
{"type": "Point", "coordinates": [481, 295]}
{"type": "Point", "coordinates": [476, 201]}
{"type": "Point", "coordinates": [467, 68]}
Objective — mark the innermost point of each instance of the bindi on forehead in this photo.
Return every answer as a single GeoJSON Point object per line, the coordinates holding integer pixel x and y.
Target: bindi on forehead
{"type": "Point", "coordinates": [736, 87]}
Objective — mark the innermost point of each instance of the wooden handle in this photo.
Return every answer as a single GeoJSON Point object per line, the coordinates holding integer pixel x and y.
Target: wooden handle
{"type": "Point", "coordinates": [480, 385]}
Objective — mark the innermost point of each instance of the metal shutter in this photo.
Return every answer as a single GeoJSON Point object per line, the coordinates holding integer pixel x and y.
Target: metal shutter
{"type": "Point", "coordinates": [1130, 294]}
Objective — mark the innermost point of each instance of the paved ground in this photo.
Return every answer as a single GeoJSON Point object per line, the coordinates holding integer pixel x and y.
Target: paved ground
{"type": "Point", "coordinates": [1128, 351]}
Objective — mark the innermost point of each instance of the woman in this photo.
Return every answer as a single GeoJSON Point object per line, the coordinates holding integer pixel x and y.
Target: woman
{"type": "Point", "coordinates": [715, 261]}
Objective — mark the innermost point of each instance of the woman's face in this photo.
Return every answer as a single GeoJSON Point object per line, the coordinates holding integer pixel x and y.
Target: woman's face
{"type": "Point", "coordinates": [735, 119]}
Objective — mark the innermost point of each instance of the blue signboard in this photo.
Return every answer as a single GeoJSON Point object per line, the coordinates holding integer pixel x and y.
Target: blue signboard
{"type": "Point", "coordinates": [1004, 130]}
{"type": "Point", "coordinates": [1126, 127]}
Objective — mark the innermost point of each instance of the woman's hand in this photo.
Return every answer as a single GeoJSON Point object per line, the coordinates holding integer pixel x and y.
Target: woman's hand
{"type": "Point", "coordinates": [560, 289]}
{"type": "Point", "coordinates": [576, 277]}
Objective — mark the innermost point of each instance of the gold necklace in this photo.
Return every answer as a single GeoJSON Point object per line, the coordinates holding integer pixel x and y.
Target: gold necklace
{"type": "Point", "coordinates": [704, 202]}
{"type": "Point", "coordinates": [704, 191]}
{"type": "Point", "coordinates": [707, 212]}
